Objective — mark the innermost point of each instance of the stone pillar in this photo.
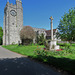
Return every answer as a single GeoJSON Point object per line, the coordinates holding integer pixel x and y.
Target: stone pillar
{"type": "Point", "coordinates": [53, 45]}
{"type": "Point", "coordinates": [51, 27]}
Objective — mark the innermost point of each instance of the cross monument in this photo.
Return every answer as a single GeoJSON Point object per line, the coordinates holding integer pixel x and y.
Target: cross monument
{"type": "Point", "coordinates": [51, 27]}
{"type": "Point", "coordinates": [53, 45]}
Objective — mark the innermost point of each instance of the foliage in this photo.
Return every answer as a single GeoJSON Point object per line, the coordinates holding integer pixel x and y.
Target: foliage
{"type": "Point", "coordinates": [41, 39]}
{"type": "Point", "coordinates": [64, 59]}
{"type": "Point", "coordinates": [73, 44]}
{"type": "Point", "coordinates": [27, 35]}
{"type": "Point", "coordinates": [66, 26]}
{"type": "Point", "coordinates": [1, 35]}
{"type": "Point", "coordinates": [41, 51]}
{"type": "Point", "coordinates": [66, 45]}
{"type": "Point", "coordinates": [25, 50]}
{"type": "Point", "coordinates": [63, 44]}
{"type": "Point", "coordinates": [66, 51]}
{"type": "Point", "coordinates": [46, 45]}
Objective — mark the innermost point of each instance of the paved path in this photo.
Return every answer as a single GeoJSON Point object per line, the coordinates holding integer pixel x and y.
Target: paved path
{"type": "Point", "coordinates": [14, 64]}
{"type": "Point", "coordinates": [8, 54]}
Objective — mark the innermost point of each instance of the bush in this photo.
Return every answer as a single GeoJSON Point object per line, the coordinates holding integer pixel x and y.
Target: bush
{"type": "Point", "coordinates": [73, 44]}
{"type": "Point", "coordinates": [64, 44]}
{"type": "Point", "coordinates": [46, 45]}
{"type": "Point", "coordinates": [60, 44]}
{"type": "Point", "coordinates": [27, 35]}
{"type": "Point", "coordinates": [1, 41]}
{"type": "Point", "coordinates": [40, 39]}
{"type": "Point", "coordinates": [41, 51]}
{"type": "Point", "coordinates": [67, 45]}
{"type": "Point", "coordinates": [1, 35]}
{"type": "Point", "coordinates": [72, 51]}
{"type": "Point", "coordinates": [45, 52]}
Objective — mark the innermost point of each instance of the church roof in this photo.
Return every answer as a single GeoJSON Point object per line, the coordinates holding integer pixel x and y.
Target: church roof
{"type": "Point", "coordinates": [48, 32]}
{"type": "Point", "coordinates": [38, 29]}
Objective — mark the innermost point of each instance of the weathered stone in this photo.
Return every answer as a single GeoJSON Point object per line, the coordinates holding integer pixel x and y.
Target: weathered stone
{"type": "Point", "coordinates": [53, 42]}
{"type": "Point", "coordinates": [13, 23]}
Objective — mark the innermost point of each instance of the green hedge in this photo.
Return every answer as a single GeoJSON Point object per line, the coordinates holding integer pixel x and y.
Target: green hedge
{"type": "Point", "coordinates": [63, 44]}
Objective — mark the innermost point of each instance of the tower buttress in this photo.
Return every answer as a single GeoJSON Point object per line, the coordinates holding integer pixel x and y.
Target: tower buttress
{"type": "Point", "coordinates": [19, 9]}
{"type": "Point", "coordinates": [19, 3]}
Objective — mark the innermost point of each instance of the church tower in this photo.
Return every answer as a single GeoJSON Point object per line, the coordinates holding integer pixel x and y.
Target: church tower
{"type": "Point", "coordinates": [13, 23]}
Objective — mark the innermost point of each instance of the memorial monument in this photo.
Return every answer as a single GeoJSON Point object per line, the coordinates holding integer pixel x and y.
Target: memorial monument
{"type": "Point", "coordinates": [53, 45]}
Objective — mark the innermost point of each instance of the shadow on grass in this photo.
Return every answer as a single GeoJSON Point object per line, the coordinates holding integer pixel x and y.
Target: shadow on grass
{"type": "Point", "coordinates": [61, 63]}
{"type": "Point", "coordinates": [23, 66]}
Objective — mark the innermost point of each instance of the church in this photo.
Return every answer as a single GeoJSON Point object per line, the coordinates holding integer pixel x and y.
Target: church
{"type": "Point", "coordinates": [13, 23]}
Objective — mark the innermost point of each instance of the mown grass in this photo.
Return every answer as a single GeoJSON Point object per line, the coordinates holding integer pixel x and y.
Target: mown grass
{"type": "Point", "coordinates": [59, 60]}
{"type": "Point", "coordinates": [24, 50]}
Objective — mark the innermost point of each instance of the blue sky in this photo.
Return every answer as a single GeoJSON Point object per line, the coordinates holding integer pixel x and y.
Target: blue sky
{"type": "Point", "coordinates": [36, 13]}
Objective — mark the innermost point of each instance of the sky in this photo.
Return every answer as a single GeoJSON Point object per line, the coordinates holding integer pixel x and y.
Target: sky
{"type": "Point", "coordinates": [36, 13]}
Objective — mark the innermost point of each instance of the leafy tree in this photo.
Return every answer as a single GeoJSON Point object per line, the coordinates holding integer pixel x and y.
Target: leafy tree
{"type": "Point", "coordinates": [1, 35]}
{"type": "Point", "coordinates": [66, 26]}
{"type": "Point", "coordinates": [27, 35]}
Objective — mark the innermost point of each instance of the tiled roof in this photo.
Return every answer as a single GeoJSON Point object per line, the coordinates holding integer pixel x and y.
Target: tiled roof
{"type": "Point", "coordinates": [48, 32]}
{"type": "Point", "coordinates": [39, 29]}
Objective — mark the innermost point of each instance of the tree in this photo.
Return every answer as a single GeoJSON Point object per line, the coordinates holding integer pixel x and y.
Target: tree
{"type": "Point", "coordinates": [1, 35]}
{"type": "Point", "coordinates": [66, 26]}
{"type": "Point", "coordinates": [27, 35]}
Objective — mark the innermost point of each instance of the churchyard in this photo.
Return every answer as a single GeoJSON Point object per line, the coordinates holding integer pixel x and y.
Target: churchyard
{"type": "Point", "coordinates": [58, 55]}
{"type": "Point", "coordinates": [36, 44]}
{"type": "Point", "coordinates": [61, 59]}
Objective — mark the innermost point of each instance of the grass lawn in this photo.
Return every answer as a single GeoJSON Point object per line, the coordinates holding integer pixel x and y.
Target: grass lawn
{"type": "Point", "coordinates": [24, 50]}
{"type": "Point", "coordinates": [64, 62]}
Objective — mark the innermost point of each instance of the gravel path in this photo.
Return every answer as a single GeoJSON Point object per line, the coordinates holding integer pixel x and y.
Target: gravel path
{"type": "Point", "coordinates": [15, 64]}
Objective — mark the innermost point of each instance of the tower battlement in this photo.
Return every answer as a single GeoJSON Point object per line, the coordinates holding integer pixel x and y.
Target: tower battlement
{"type": "Point", "coordinates": [18, 3]}
{"type": "Point", "coordinates": [18, 0]}
{"type": "Point", "coordinates": [11, 5]}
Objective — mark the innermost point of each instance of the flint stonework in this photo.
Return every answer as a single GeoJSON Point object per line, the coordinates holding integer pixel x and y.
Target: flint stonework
{"type": "Point", "coordinates": [13, 23]}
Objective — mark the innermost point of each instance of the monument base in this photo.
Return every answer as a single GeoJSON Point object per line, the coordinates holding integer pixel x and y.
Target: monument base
{"type": "Point", "coordinates": [53, 45]}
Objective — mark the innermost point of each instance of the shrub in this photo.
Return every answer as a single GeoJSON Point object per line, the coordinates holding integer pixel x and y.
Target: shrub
{"type": "Point", "coordinates": [73, 44]}
{"type": "Point", "coordinates": [41, 51]}
{"type": "Point", "coordinates": [27, 35]}
{"type": "Point", "coordinates": [1, 41]}
{"type": "Point", "coordinates": [61, 44]}
{"type": "Point", "coordinates": [46, 45]}
{"type": "Point", "coordinates": [72, 51]}
{"type": "Point", "coordinates": [40, 39]}
{"type": "Point", "coordinates": [66, 45]}
{"type": "Point", "coordinates": [1, 35]}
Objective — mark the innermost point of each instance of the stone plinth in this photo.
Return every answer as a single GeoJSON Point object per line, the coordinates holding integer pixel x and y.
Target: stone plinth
{"type": "Point", "coordinates": [53, 45]}
{"type": "Point", "coordinates": [57, 47]}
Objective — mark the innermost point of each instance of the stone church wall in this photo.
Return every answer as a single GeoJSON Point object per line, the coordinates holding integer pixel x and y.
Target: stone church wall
{"type": "Point", "coordinates": [12, 24]}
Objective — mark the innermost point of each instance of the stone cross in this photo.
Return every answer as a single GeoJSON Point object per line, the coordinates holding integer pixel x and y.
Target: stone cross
{"type": "Point", "coordinates": [51, 27]}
